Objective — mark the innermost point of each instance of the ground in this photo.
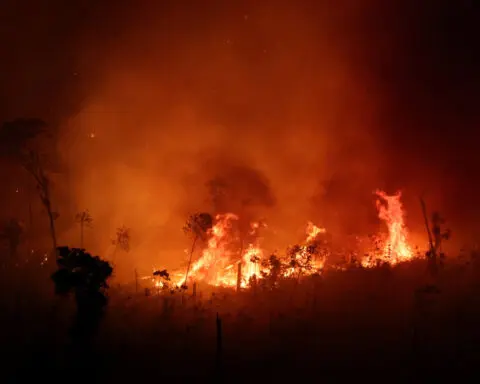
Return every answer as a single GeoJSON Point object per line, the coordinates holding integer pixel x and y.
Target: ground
{"type": "Point", "coordinates": [379, 324]}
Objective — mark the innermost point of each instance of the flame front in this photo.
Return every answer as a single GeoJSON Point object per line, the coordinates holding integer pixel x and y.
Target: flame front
{"type": "Point", "coordinates": [218, 264]}
{"type": "Point", "coordinates": [215, 265]}
{"type": "Point", "coordinates": [229, 260]}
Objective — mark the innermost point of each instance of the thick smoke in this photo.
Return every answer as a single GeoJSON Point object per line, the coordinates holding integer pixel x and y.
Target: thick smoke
{"type": "Point", "coordinates": [300, 110]}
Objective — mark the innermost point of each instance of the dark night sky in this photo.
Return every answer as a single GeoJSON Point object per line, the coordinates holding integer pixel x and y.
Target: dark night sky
{"type": "Point", "coordinates": [424, 54]}
{"type": "Point", "coordinates": [421, 57]}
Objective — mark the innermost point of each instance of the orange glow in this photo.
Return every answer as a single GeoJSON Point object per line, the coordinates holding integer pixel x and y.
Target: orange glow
{"type": "Point", "coordinates": [313, 231]}
{"type": "Point", "coordinates": [228, 261]}
{"type": "Point", "coordinates": [215, 265]}
{"type": "Point", "coordinates": [396, 248]}
{"type": "Point", "coordinates": [218, 264]}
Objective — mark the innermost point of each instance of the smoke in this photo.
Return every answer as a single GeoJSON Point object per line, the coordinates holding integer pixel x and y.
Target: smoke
{"type": "Point", "coordinates": [301, 110]}
{"type": "Point", "coordinates": [236, 188]}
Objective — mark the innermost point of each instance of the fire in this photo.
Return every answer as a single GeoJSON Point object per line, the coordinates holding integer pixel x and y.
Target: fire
{"type": "Point", "coordinates": [221, 263]}
{"type": "Point", "coordinates": [232, 258]}
{"type": "Point", "coordinates": [396, 248]}
{"type": "Point", "coordinates": [213, 267]}
{"type": "Point", "coordinates": [313, 231]}
{"type": "Point", "coordinates": [305, 257]}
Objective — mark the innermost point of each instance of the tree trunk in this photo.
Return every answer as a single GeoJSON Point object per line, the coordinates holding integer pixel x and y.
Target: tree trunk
{"type": "Point", "coordinates": [190, 259]}
{"type": "Point", "coordinates": [81, 234]}
{"type": "Point", "coordinates": [52, 231]}
{"type": "Point", "coordinates": [239, 276]}
{"type": "Point", "coordinates": [432, 255]}
{"type": "Point", "coordinates": [44, 193]}
{"type": "Point", "coordinates": [51, 221]}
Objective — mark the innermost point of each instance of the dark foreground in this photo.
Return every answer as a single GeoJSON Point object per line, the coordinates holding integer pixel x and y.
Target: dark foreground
{"type": "Point", "coordinates": [376, 325]}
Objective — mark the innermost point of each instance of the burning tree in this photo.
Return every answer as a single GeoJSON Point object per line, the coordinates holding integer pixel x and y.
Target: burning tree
{"type": "Point", "coordinates": [197, 227]}
{"type": "Point", "coordinates": [84, 219]}
{"type": "Point", "coordinates": [308, 258]}
{"type": "Point", "coordinates": [163, 281]}
{"type": "Point", "coordinates": [272, 270]}
{"type": "Point", "coordinates": [19, 141]}
{"type": "Point", "coordinates": [301, 259]}
{"type": "Point", "coordinates": [86, 277]}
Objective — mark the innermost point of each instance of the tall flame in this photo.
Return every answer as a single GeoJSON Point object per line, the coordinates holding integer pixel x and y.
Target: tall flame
{"type": "Point", "coordinates": [396, 248]}
{"type": "Point", "coordinates": [216, 257]}
{"type": "Point", "coordinates": [227, 261]}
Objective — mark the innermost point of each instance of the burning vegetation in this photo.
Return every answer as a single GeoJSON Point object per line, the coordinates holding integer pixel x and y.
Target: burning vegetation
{"type": "Point", "coordinates": [292, 114]}
{"type": "Point", "coordinates": [235, 259]}
{"type": "Point", "coordinates": [234, 279]}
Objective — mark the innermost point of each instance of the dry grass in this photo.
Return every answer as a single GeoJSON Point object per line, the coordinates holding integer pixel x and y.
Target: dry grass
{"type": "Point", "coordinates": [370, 322]}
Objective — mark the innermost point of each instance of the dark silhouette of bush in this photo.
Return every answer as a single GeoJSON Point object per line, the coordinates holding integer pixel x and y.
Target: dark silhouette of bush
{"type": "Point", "coordinates": [273, 269]}
{"type": "Point", "coordinates": [86, 277]}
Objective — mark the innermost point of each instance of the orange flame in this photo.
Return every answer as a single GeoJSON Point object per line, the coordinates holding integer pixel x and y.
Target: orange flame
{"type": "Point", "coordinates": [224, 251]}
{"type": "Point", "coordinates": [396, 248]}
{"type": "Point", "coordinates": [217, 264]}
{"type": "Point", "coordinates": [313, 231]}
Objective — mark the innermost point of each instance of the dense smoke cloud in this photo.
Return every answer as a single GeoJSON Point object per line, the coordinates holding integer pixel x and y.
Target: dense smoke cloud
{"type": "Point", "coordinates": [307, 107]}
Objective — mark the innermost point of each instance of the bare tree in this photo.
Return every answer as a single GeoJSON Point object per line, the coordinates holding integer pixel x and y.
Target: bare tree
{"type": "Point", "coordinates": [84, 219]}
{"type": "Point", "coordinates": [19, 141]}
{"type": "Point", "coordinates": [196, 226]}
{"type": "Point", "coordinates": [435, 237]}
{"type": "Point", "coordinates": [122, 240]}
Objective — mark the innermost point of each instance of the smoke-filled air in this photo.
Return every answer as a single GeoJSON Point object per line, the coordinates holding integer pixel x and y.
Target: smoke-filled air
{"type": "Point", "coordinates": [266, 152]}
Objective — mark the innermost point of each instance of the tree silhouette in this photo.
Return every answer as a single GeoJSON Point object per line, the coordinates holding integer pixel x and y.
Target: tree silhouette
{"type": "Point", "coordinates": [84, 219]}
{"type": "Point", "coordinates": [20, 141]}
{"type": "Point", "coordinates": [301, 258]}
{"type": "Point", "coordinates": [435, 237]}
{"type": "Point", "coordinates": [122, 240]}
{"type": "Point", "coordinates": [197, 227]}
{"type": "Point", "coordinates": [273, 269]}
{"type": "Point", "coordinates": [86, 277]}
{"type": "Point", "coordinates": [439, 235]}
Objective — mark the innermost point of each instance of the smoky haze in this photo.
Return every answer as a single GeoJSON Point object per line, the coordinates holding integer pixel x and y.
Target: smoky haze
{"type": "Point", "coordinates": [303, 109]}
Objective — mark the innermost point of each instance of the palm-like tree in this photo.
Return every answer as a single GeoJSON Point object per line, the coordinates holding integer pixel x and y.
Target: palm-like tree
{"type": "Point", "coordinates": [122, 240]}
{"type": "Point", "coordinates": [84, 219]}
